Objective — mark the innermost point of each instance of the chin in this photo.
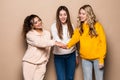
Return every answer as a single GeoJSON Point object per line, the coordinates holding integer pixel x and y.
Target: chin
{"type": "Point", "coordinates": [39, 27]}
{"type": "Point", "coordinates": [63, 22]}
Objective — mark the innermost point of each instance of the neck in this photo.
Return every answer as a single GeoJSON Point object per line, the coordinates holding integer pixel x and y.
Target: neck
{"type": "Point", "coordinates": [39, 30]}
{"type": "Point", "coordinates": [85, 22]}
{"type": "Point", "coordinates": [64, 23]}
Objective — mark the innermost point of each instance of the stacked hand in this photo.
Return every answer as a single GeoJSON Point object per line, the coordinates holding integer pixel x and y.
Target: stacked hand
{"type": "Point", "coordinates": [61, 45]}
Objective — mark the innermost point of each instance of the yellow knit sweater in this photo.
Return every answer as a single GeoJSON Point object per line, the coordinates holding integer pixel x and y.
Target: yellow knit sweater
{"type": "Point", "coordinates": [90, 48]}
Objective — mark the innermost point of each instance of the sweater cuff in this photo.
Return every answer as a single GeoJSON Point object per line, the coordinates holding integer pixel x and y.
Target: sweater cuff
{"type": "Point", "coordinates": [53, 42]}
{"type": "Point", "coordinates": [68, 45]}
{"type": "Point", "coordinates": [101, 61]}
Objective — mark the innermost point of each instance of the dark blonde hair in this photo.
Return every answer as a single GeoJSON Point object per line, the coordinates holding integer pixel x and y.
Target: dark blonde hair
{"type": "Point", "coordinates": [91, 20]}
{"type": "Point", "coordinates": [59, 24]}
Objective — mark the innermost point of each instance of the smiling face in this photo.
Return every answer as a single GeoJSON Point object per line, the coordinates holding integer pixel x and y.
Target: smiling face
{"type": "Point", "coordinates": [37, 23]}
{"type": "Point", "coordinates": [83, 15]}
{"type": "Point", "coordinates": [63, 16]}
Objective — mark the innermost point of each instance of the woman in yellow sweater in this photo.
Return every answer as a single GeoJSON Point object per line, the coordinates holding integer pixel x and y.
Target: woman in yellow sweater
{"type": "Point", "coordinates": [92, 39]}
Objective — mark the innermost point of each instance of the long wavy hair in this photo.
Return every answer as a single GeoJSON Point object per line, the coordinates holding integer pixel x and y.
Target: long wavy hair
{"type": "Point", "coordinates": [91, 20]}
{"type": "Point", "coordinates": [59, 24]}
{"type": "Point", "coordinates": [28, 23]}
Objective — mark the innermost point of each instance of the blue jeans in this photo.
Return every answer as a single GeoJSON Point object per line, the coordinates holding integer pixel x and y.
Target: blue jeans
{"type": "Point", "coordinates": [87, 66]}
{"type": "Point", "coordinates": [65, 66]}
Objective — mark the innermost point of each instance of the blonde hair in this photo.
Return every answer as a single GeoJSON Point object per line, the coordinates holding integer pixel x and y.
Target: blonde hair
{"type": "Point", "coordinates": [91, 20]}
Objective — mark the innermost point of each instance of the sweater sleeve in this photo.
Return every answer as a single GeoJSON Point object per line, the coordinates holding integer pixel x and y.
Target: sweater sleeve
{"type": "Point", "coordinates": [75, 38]}
{"type": "Point", "coordinates": [102, 46]}
{"type": "Point", "coordinates": [38, 41]}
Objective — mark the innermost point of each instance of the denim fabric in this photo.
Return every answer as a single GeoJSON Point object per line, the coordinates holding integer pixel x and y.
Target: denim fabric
{"type": "Point", "coordinates": [65, 66]}
{"type": "Point", "coordinates": [88, 66]}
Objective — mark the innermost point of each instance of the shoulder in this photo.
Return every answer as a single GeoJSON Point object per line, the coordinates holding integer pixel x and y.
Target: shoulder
{"type": "Point", "coordinates": [31, 32]}
{"type": "Point", "coordinates": [46, 31]}
{"type": "Point", "coordinates": [76, 30]}
{"type": "Point", "coordinates": [99, 27]}
{"type": "Point", "coordinates": [98, 24]}
{"type": "Point", "coordinates": [53, 27]}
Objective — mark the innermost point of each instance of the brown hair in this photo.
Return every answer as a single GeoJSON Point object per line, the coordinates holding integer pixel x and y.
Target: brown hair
{"type": "Point", "coordinates": [58, 22]}
{"type": "Point", "coordinates": [28, 23]}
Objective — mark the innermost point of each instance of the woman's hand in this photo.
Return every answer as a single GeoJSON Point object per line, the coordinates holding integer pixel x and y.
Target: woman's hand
{"type": "Point", "coordinates": [62, 45]}
{"type": "Point", "coordinates": [101, 66]}
{"type": "Point", "coordinates": [77, 61]}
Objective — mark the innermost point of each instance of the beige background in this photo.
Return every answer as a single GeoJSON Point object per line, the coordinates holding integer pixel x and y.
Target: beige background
{"type": "Point", "coordinates": [13, 12]}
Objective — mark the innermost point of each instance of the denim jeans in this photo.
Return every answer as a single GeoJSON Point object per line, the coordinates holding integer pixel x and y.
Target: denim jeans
{"type": "Point", "coordinates": [87, 66]}
{"type": "Point", "coordinates": [65, 66]}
